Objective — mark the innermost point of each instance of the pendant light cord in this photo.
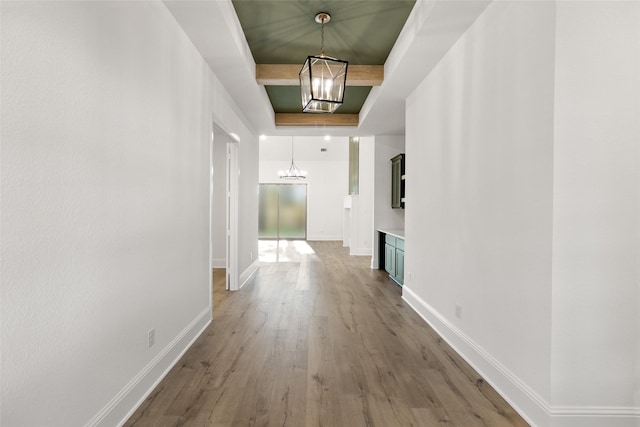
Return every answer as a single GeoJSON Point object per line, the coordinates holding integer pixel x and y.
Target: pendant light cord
{"type": "Point", "coordinates": [322, 39]}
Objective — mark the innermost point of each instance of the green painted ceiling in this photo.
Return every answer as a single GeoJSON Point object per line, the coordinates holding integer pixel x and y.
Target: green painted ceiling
{"type": "Point", "coordinates": [284, 32]}
{"type": "Point", "coordinates": [287, 98]}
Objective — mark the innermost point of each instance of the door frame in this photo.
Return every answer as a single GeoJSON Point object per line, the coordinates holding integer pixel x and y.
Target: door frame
{"type": "Point", "coordinates": [230, 189]}
{"type": "Point", "coordinates": [232, 273]}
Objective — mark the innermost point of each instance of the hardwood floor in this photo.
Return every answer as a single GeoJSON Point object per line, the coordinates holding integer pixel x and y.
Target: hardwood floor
{"type": "Point", "coordinates": [320, 341]}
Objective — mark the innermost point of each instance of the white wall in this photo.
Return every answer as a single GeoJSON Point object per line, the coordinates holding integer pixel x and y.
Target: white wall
{"type": "Point", "coordinates": [362, 232]}
{"type": "Point", "coordinates": [219, 199]}
{"type": "Point", "coordinates": [596, 238]}
{"type": "Point", "coordinates": [524, 206]}
{"type": "Point", "coordinates": [327, 179]}
{"type": "Point", "coordinates": [386, 147]}
{"type": "Point", "coordinates": [479, 150]}
{"type": "Point", "coordinates": [248, 202]}
{"type": "Point", "coordinates": [106, 129]}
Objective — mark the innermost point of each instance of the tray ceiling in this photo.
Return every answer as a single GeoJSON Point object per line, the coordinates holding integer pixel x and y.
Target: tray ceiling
{"type": "Point", "coordinates": [284, 32]}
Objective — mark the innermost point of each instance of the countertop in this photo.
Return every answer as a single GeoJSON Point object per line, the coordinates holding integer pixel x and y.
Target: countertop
{"type": "Point", "coordinates": [393, 231]}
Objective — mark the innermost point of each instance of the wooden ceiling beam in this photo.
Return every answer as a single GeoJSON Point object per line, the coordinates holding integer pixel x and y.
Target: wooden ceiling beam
{"type": "Point", "coordinates": [287, 75]}
{"type": "Point", "coordinates": [310, 119]}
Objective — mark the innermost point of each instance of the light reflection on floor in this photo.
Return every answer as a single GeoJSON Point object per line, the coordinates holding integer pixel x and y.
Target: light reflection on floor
{"type": "Point", "coordinates": [284, 250]}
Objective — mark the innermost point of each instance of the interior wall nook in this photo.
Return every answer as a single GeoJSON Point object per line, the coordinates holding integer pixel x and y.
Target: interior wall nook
{"type": "Point", "coordinates": [327, 166]}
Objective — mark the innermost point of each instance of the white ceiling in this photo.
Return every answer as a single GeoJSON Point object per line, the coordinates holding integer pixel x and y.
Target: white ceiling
{"type": "Point", "coordinates": [306, 148]}
{"type": "Point", "coordinates": [432, 28]}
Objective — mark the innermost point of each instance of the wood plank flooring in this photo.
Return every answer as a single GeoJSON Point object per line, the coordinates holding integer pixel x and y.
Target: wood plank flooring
{"type": "Point", "coordinates": [322, 340]}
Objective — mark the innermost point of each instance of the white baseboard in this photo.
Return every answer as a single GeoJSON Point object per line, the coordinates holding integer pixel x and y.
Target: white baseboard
{"type": "Point", "coordinates": [248, 272]}
{"type": "Point", "coordinates": [532, 407]}
{"type": "Point", "coordinates": [219, 263]}
{"type": "Point", "coordinates": [524, 400]}
{"type": "Point", "coordinates": [124, 404]}
{"type": "Point", "coordinates": [324, 238]}
{"type": "Point", "coordinates": [594, 416]}
{"type": "Point", "coordinates": [360, 251]}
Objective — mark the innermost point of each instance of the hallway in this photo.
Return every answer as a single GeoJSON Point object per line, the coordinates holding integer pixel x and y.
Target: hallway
{"type": "Point", "coordinates": [323, 341]}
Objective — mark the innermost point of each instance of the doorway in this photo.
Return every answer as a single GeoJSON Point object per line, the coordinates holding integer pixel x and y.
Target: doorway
{"type": "Point", "coordinates": [224, 206]}
{"type": "Point", "coordinates": [282, 212]}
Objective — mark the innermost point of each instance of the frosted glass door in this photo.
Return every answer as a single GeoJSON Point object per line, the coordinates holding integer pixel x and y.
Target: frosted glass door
{"type": "Point", "coordinates": [283, 211]}
{"type": "Point", "coordinates": [293, 211]}
{"type": "Point", "coordinates": [268, 211]}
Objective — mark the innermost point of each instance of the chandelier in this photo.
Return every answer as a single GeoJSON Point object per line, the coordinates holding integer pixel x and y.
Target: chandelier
{"type": "Point", "coordinates": [293, 172]}
{"type": "Point", "coordinates": [322, 78]}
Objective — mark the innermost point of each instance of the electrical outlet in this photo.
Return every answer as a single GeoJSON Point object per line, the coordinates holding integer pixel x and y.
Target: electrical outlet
{"type": "Point", "coordinates": [151, 338]}
{"type": "Point", "coordinates": [458, 312]}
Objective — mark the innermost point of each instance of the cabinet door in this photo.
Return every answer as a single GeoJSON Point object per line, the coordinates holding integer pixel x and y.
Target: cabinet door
{"type": "Point", "coordinates": [390, 259]}
{"type": "Point", "coordinates": [399, 266]}
{"type": "Point", "coordinates": [396, 182]}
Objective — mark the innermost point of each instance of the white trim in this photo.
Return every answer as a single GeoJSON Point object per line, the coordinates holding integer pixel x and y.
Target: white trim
{"type": "Point", "coordinates": [360, 251]}
{"type": "Point", "coordinates": [219, 263]}
{"type": "Point", "coordinates": [595, 417]}
{"type": "Point", "coordinates": [124, 404]}
{"type": "Point", "coordinates": [232, 216]}
{"type": "Point", "coordinates": [604, 411]}
{"type": "Point", "coordinates": [248, 272]}
{"type": "Point", "coordinates": [324, 238]}
{"type": "Point", "coordinates": [211, 193]}
{"type": "Point", "coordinates": [531, 406]}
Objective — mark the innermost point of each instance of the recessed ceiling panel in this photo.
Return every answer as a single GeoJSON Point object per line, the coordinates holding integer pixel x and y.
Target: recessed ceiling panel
{"type": "Point", "coordinates": [284, 31]}
{"type": "Point", "coordinates": [286, 99]}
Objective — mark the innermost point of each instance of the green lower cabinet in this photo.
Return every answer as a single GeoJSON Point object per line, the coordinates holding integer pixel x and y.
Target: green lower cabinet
{"type": "Point", "coordinates": [399, 276]}
{"type": "Point", "coordinates": [390, 259]}
{"type": "Point", "coordinates": [394, 258]}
